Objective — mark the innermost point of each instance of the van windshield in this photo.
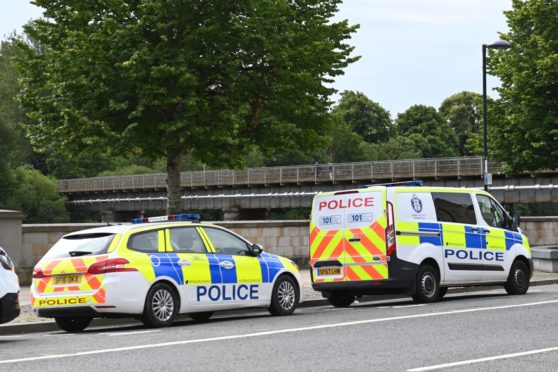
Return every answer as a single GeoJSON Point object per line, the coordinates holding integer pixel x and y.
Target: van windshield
{"type": "Point", "coordinates": [81, 245]}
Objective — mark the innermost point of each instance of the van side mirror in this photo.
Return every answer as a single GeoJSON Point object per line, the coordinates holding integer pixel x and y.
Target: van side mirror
{"type": "Point", "coordinates": [516, 220]}
{"type": "Point", "coordinates": [256, 249]}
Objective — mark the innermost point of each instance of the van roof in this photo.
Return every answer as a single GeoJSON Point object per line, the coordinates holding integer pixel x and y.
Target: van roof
{"type": "Point", "coordinates": [372, 188]}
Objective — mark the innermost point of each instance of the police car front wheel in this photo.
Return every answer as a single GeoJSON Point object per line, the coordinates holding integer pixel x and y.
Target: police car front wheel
{"type": "Point", "coordinates": [161, 306]}
{"type": "Point", "coordinates": [285, 296]}
{"type": "Point", "coordinates": [518, 280]}
{"type": "Point", "coordinates": [427, 284]}
{"type": "Point", "coordinates": [70, 324]}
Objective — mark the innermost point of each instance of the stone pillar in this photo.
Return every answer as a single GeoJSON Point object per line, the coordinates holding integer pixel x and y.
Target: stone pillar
{"type": "Point", "coordinates": [10, 239]}
{"type": "Point", "coordinates": [231, 214]}
{"type": "Point", "coordinates": [107, 217]}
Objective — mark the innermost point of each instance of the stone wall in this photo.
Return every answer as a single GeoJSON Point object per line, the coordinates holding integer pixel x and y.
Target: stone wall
{"type": "Point", "coordinates": [541, 230]}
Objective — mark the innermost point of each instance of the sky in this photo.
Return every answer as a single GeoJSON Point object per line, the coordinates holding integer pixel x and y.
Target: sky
{"type": "Point", "coordinates": [412, 51]}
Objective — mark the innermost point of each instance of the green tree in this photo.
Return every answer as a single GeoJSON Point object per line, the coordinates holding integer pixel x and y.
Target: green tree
{"type": "Point", "coordinates": [463, 113]}
{"type": "Point", "coordinates": [166, 78]}
{"type": "Point", "coordinates": [426, 129]}
{"type": "Point", "coordinates": [525, 133]}
{"type": "Point", "coordinates": [364, 116]}
{"type": "Point", "coordinates": [37, 197]}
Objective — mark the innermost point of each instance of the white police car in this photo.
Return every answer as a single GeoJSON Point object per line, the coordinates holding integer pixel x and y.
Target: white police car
{"type": "Point", "coordinates": [157, 269]}
{"type": "Point", "coordinates": [9, 289]}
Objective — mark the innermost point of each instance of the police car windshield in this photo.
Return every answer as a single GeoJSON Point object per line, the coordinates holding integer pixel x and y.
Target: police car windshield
{"type": "Point", "coordinates": [80, 245]}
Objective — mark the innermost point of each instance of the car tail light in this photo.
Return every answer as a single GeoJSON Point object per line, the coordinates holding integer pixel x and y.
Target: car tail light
{"type": "Point", "coordinates": [391, 245]}
{"type": "Point", "coordinates": [38, 273]}
{"type": "Point", "coordinates": [113, 265]}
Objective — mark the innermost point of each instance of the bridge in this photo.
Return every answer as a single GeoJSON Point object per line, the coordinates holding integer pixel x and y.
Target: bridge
{"type": "Point", "coordinates": [261, 189]}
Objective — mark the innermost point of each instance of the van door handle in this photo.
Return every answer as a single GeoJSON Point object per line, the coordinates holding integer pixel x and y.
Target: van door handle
{"type": "Point", "coordinates": [226, 264]}
{"type": "Point", "coordinates": [184, 263]}
{"type": "Point", "coordinates": [486, 231]}
{"type": "Point", "coordinates": [354, 239]}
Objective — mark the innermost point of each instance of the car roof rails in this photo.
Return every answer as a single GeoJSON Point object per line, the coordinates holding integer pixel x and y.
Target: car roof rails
{"type": "Point", "coordinates": [402, 183]}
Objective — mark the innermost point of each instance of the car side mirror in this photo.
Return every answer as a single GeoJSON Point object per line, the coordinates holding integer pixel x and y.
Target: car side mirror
{"type": "Point", "coordinates": [257, 249]}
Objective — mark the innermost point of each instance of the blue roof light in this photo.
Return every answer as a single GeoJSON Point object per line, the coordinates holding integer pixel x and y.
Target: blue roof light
{"type": "Point", "coordinates": [169, 218]}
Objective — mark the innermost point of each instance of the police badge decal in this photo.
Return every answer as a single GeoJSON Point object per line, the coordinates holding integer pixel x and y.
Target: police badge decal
{"type": "Point", "coordinates": [416, 203]}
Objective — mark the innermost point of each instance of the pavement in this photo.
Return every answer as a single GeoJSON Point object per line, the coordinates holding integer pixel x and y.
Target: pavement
{"type": "Point", "coordinates": [28, 322]}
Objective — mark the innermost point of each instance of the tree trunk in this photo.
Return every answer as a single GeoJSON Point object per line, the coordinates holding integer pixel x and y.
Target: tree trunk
{"type": "Point", "coordinates": [174, 158]}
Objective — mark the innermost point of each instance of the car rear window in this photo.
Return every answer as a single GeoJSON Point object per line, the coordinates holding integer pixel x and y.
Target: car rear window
{"type": "Point", "coordinates": [81, 245]}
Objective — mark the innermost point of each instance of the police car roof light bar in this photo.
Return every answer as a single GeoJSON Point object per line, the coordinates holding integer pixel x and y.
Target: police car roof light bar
{"type": "Point", "coordinates": [169, 218]}
{"type": "Point", "coordinates": [402, 183]}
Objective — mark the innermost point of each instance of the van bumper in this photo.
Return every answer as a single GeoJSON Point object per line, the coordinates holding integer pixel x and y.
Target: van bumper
{"type": "Point", "coordinates": [9, 307]}
{"type": "Point", "coordinates": [401, 279]}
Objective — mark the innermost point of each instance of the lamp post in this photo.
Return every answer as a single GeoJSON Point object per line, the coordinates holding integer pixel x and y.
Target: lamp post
{"type": "Point", "coordinates": [498, 44]}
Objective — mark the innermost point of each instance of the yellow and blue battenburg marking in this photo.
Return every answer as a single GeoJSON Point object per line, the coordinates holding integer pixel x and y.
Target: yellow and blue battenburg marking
{"type": "Point", "coordinates": [167, 265]}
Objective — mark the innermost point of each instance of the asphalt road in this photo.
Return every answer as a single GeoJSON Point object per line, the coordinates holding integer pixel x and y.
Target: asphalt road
{"type": "Point", "coordinates": [481, 331]}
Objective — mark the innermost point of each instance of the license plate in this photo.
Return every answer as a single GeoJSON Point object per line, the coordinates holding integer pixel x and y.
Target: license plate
{"type": "Point", "coordinates": [67, 279]}
{"type": "Point", "coordinates": [329, 271]}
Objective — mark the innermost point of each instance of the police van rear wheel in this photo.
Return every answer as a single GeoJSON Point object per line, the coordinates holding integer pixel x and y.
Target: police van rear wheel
{"type": "Point", "coordinates": [201, 317]}
{"type": "Point", "coordinates": [284, 297]}
{"type": "Point", "coordinates": [427, 285]}
{"type": "Point", "coordinates": [518, 280]}
{"type": "Point", "coordinates": [72, 325]}
{"type": "Point", "coordinates": [161, 306]}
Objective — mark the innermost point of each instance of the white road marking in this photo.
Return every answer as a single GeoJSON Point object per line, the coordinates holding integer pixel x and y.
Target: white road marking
{"type": "Point", "coordinates": [481, 360]}
{"type": "Point", "coordinates": [400, 306]}
{"type": "Point", "coordinates": [112, 334]}
{"type": "Point", "coordinates": [276, 332]}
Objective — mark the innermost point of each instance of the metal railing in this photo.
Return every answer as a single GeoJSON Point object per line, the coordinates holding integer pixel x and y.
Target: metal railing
{"type": "Point", "coordinates": [297, 174]}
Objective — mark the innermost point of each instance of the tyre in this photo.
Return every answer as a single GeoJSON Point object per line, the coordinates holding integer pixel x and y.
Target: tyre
{"type": "Point", "coordinates": [443, 291]}
{"type": "Point", "coordinates": [341, 299]}
{"type": "Point", "coordinates": [427, 285]}
{"type": "Point", "coordinates": [285, 296]}
{"type": "Point", "coordinates": [518, 280]}
{"type": "Point", "coordinates": [161, 306]}
{"type": "Point", "coordinates": [72, 325]}
{"type": "Point", "coordinates": [201, 317]}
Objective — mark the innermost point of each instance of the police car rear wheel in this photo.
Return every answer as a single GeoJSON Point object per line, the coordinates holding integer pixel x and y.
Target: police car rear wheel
{"type": "Point", "coordinates": [518, 280]}
{"type": "Point", "coordinates": [161, 306]}
{"type": "Point", "coordinates": [72, 324]}
{"type": "Point", "coordinates": [341, 299]}
{"type": "Point", "coordinates": [427, 285]}
{"type": "Point", "coordinates": [201, 317]}
{"type": "Point", "coordinates": [285, 296]}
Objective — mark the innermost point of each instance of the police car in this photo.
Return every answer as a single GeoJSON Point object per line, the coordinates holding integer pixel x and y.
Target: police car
{"type": "Point", "coordinates": [415, 240]}
{"type": "Point", "coordinates": [157, 268]}
{"type": "Point", "coordinates": [9, 289]}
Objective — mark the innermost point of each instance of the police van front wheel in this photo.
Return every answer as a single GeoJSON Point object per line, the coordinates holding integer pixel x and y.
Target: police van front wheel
{"type": "Point", "coordinates": [72, 325]}
{"type": "Point", "coordinates": [341, 299]}
{"type": "Point", "coordinates": [161, 306]}
{"type": "Point", "coordinates": [518, 280]}
{"type": "Point", "coordinates": [427, 285]}
{"type": "Point", "coordinates": [284, 297]}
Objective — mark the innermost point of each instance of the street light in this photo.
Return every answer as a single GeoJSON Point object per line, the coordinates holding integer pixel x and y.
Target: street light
{"type": "Point", "coordinates": [498, 44]}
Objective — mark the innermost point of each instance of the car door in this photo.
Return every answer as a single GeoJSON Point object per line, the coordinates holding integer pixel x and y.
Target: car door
{"type": "Point", "coordinates": [463, 239]}
{"type": "Point", "coordinates": [191, 255]}
{"type": "Point", "coordinates": [499, 239]}
{"type": "Point", "coordinates": [236, 275]}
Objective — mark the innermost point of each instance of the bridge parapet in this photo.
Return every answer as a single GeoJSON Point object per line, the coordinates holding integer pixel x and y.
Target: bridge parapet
{"type": "Point", "coordinates": [359, 172]}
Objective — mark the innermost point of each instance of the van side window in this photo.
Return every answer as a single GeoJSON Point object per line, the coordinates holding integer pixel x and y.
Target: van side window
{"type": "Point", "coordinates": [491, 212]}
{"type": "Point", "coordinates": [454, 207]}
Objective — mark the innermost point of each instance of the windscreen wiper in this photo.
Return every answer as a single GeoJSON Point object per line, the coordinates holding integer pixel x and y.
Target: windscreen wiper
{"type": "Point", "coordinates": [79, 253]}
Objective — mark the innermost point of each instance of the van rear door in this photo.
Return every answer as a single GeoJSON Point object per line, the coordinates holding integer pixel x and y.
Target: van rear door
{"type": "Point", "coordinates": [349, 227]}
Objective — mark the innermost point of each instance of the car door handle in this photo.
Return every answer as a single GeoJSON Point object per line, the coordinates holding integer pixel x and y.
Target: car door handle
{"type": "Point", "coordinates": [184, 263]}
{"type": "Point", "coordinates": [226, 264]}
{"type": "Point", "coordinates": [354, 239]}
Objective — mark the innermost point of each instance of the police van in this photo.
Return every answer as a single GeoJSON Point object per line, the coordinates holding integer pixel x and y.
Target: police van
{"type": "Point", "coordinates": [158, 268]}
{"type": "Point", "coordinates": [9, 289]}
{"type": "Point", "coordinates": [415, 240]}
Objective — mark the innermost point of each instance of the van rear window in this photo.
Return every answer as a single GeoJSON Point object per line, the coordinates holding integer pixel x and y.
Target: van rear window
{"type": "Point", "coordinates": [454, 207]}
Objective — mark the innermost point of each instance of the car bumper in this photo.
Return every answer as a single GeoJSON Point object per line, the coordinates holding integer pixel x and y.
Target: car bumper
{"type": "Point", "coordinates": [9, 307]}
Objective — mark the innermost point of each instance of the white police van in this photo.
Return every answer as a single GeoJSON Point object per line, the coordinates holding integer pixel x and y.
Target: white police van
{"type": "Point", "coordinates": [9, 289]}
{"type": "Point", "coordinates": [415, 240]}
